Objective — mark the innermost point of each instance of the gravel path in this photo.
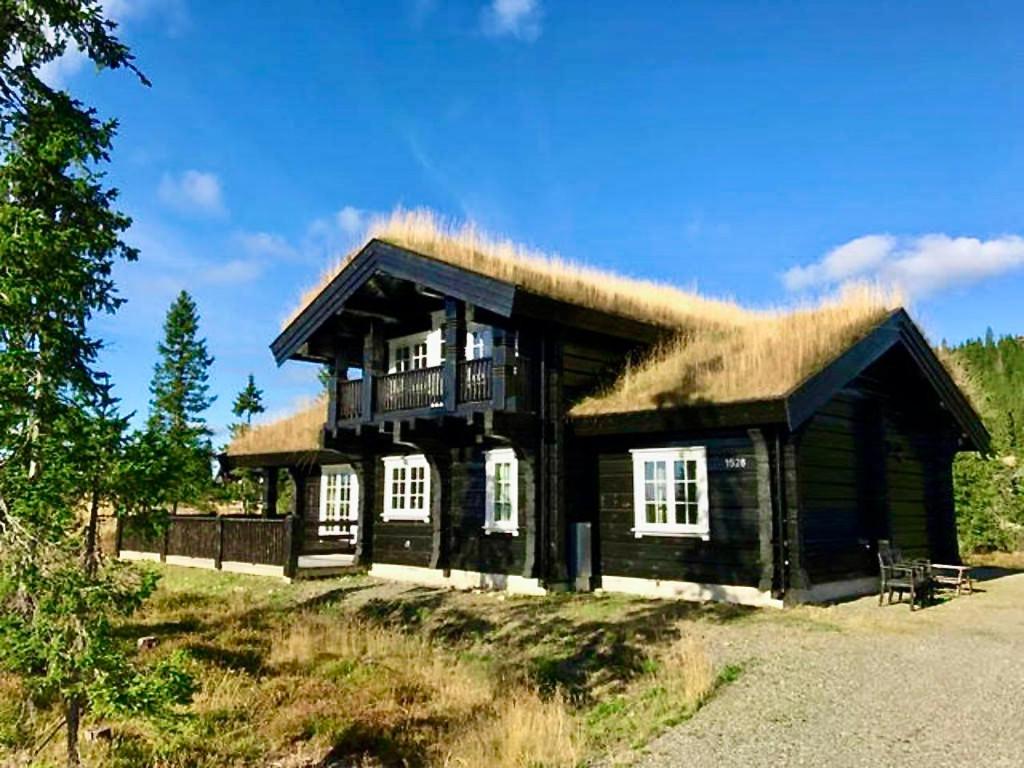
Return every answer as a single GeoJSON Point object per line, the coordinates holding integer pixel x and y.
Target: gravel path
{"type": "Point", "coordinates": [858, 685]}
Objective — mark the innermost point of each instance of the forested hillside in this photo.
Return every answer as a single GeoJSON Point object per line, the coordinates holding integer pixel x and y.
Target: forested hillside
{"type": "Point", "coordinates": [990, 491]}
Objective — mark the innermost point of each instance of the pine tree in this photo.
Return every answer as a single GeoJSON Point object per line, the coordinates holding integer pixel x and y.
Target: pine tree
{"type": "Point", "coordinates": [64, 453]}
{"type": "Point", "coordinates": [249, 402]}
{"type": "Point", "coordinates": [179, 397]}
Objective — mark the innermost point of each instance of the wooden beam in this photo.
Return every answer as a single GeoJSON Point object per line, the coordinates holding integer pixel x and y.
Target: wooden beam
{"type": "Point", "coordinates": [270, 491]}
{"type": "Point", "coordinates": [374, 367]}
{"type": "Point", "coordinates": [454, 349]}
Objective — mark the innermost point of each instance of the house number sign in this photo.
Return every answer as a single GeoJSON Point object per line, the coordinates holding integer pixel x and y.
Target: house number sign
{"type": "Point", "coordinates": [728, 463]}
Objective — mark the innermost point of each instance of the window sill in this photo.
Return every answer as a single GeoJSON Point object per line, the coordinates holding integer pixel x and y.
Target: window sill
{"type": "Point", "coordinates": [672, 533]}
{"type": "Point", "coordinates": [388, 518]}
{"type": "Point", "coordinates": [490, 529]}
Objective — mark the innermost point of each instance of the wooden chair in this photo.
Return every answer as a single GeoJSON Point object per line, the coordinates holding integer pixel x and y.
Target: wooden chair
{"type": "Point", "coordinates": [898, 575]}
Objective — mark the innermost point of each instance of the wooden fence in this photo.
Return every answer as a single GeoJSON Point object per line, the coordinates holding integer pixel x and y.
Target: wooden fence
{"type": "Point", "coordinates": [268, 545]}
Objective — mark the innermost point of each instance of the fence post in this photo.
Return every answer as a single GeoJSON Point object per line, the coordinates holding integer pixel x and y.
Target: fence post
{"type": "Point", "coordinates": [219, 558]}
{"type": "Point", "coordinates": [163, 541]}
{"type": "Point", "coordinates": [118, 535]}
{"type": "Point", "coordinates": [292, 545]}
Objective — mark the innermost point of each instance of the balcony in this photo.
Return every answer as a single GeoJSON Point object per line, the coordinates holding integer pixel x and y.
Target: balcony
{"type": "Point", "coordinates": [477, 384]}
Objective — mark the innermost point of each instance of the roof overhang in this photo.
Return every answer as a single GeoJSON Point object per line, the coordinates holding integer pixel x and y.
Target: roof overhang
{"type": "Point", "coordinates": [378, 256]}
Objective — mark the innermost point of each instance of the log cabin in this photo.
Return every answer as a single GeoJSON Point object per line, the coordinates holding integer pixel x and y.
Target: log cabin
{"type": "Point", "coordinates": [498, 419]}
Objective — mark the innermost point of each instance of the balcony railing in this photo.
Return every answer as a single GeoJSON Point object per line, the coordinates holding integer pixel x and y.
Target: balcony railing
{"type": "Point", "coordinates": [424, 388]}
{"type": "Point", "coordinates": [421, 388]}
{"type": "Point", "coordinates": [475, 379]}
{"type": "Point", "coordinates": [350, 399]}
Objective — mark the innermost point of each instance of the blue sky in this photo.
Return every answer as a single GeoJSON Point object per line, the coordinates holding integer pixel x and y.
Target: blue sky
{"type": "Point", "coordinates": [763, 151]}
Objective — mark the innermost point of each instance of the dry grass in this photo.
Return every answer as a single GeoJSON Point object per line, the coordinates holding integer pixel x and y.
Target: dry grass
{"type": "Point", "coordinates": [1010, 560]}
{"type": "Point", "coordinates": [468, 247]}
{"type": "Point", "coordinates": [755, 359]}
{"type": "Point", "coordinates": [346, 672]}
{"type": "Point", "coordinates": [300, 431]}
{"type": "Point", "coordinates": [679, 680]}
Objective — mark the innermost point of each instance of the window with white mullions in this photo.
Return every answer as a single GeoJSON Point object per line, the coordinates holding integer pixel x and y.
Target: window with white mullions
{"type": "Point", "coordinates": [502, 485]}
{"type": "Point", "coordinates": [339, 501]}
{"type": "Point", "coordinates": [670, 492]}
{"type": "Point", "coordinates": [407, 488]}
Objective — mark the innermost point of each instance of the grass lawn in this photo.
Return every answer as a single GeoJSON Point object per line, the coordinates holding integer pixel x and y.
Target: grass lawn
{"type": "Point", "coordinates": [354, 671]}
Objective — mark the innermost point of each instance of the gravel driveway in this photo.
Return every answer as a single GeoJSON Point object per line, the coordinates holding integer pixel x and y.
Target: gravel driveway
{"type": "Point", "coordinates": [858, 685]}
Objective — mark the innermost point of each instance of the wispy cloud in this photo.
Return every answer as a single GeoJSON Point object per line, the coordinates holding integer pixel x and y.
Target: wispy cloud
{"type": "Point", "coordinates": [193, 192]}
{"type": "Point", "coordinates": [231, 272]}
{"type": "Point", "coordinates": [920, 266]}
{"type": "Point", "coordinates": [513, 18]}
{"type": "Point", "coordinates": [333, 235]}
{"type": "Point", "coordinates": [266, 245]}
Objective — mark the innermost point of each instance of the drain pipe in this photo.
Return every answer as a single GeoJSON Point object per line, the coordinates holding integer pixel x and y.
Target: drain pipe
{"type": "Point", "coordinates": [781, 519]}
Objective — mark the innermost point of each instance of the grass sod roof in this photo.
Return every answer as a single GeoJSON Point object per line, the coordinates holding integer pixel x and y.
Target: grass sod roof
{"type": "Point", "coordinates": [757, 358]}
{"type": "Point", "coordinates": [295, 433]}
{"type": "Point", "coordinates": [468, 248]}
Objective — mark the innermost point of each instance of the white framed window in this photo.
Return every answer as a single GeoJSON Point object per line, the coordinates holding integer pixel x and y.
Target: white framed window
{"type": "Point", "coordinates": [407, 488]}
{"type": "Point", "coordinates": [419, 355]}
{"type": "Point", "coordinates": [339, 501]}
{"type": "Point", "coordinates": [401, 359]}
{"type": "Point", "coordinates": [670, 492]}
{"type": "Point", "coordinates": [501, 469]}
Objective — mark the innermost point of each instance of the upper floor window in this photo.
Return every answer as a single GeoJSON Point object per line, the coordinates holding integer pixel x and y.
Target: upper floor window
{"type": "Point", "coordinates": [407, 488]}
{"type": "Point", "coordinates": [670, 492]}
{"type": "Point", "coordinates": [502, 479]}
{"type": "Point", "coordinates": [339, 501]}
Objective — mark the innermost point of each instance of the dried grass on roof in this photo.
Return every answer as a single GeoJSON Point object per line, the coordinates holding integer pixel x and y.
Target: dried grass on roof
{"type": "Point", "coordinates": [755, 359]}
{"type": "Point", "coordinates": [300, 431]}
{"type": "Point", "coordinates": [467, 247]}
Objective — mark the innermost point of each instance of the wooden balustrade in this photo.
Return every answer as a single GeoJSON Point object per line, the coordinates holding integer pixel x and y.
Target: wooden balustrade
{"type": "Point", "coordinates": [475, 378]}
{"type": "Point", "coordinates": [350, 399]}
{"type": "Point", "coordinates": [424, 388]}
{"type": "Point", "coordinates": [421, 388]}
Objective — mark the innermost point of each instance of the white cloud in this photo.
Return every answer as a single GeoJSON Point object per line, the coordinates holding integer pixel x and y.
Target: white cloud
{"type": "Point", "coordinates": [851, 259]}
{"type": "Point", "coordinates": [331, 236]}
{"type": "Point", "coordinates": [192, 192]}
{"type": "Point", "coordinates": [266, 244]}
{"type": "Point", "coordinates": [919, 266]}
{"type": "Point", "coordinates": [516, 18]}
{"type": "Point", "coordinates": [350, 220]}
{"type": "Point", "coordinates": [231, 272]}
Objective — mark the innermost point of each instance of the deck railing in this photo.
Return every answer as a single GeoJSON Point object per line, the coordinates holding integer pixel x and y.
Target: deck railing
{"type": "Point", "coordinates": [424, 388]}
{"type": "Point", "coordinates": [475, 377]}
{"type": "Point", "coordinates": [273, 541]}
{"type": "Point", "coordinates": [350, 399]}
{"type": "Point", "coordinates": [421, 388]}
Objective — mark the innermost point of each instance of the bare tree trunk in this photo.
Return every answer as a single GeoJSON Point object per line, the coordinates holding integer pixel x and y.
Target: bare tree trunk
{"type": "Point", "coordinates": [72, 720]}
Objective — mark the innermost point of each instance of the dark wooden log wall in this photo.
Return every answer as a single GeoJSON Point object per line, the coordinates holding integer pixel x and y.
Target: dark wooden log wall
{"type": "Point", "coordinates": [731, 556]}
{"type": "Point", "coordinates": [472, 549]}
{"type": "Point", "coordinates": [402, 542]}
{"type": "Point", "coordinates": [874, 463]}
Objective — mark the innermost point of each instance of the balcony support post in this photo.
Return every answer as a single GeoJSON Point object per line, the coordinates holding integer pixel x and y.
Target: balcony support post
{"type": "Point", "coordinates": [499, 368]}
{"type": "Point", "coordinates": [374, 366]}
{"type": "Point", "coordinates": [338, 369]}
{"type": "Point", "coordinates": [454, 349]}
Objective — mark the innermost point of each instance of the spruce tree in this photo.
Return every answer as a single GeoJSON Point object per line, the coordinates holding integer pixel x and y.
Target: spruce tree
{"type": "Point", "coordinates": [179, 396]}
{"type": "Point", "coordinates": [64, 451]}
{"type": "Point", "coordinates": [248, 402]}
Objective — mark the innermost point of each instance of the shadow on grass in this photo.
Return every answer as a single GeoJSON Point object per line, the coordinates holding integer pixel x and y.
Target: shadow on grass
{"type": "Point", "coordinates": [361, 745]}
{"type": "Point", "coordinates": [241, 659]}
{"type": "Point", "coordinates": [411, 610]}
